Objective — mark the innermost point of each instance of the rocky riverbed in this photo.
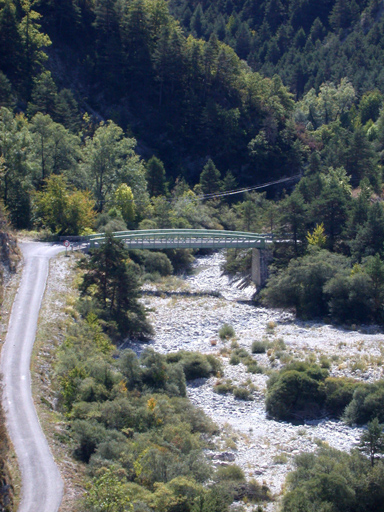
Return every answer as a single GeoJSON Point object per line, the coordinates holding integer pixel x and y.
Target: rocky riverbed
{"type": "Point", "coordinates": [188, 316]}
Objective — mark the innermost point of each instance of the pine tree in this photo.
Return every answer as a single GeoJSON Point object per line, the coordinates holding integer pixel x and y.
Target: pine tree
{"type": "Point", "coordinates": [210, 178]}
{"type": "Point", "coordinates": [372, 441]}
{"type": "Point", "coordinates": [155, 174]}
{"type": "Point", "coordinates": [111, 279]}
{"type": "Point", "coordinates": [198, 22]}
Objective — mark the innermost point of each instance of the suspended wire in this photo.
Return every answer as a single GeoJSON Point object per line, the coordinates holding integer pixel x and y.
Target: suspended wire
{"type": "Point", "coordinates": [204, 197]}
{"type": "Point", "coordinates": [249, 189]}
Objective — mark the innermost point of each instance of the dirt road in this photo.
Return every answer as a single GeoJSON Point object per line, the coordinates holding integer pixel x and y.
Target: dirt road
{"type": "Point", "coordinates": [42, 486]}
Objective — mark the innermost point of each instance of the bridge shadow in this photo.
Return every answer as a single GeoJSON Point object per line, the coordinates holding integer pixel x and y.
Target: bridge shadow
{"type": "Point", "coordinates": [167, 293]}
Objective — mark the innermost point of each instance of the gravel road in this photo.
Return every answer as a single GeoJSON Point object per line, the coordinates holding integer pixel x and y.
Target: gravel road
{"type": "Point", "coordinates": [42, 486]}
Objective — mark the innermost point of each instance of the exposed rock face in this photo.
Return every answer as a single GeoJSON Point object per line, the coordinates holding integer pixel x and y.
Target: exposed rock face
{"type": "Point", "coordinates": [10, 254]}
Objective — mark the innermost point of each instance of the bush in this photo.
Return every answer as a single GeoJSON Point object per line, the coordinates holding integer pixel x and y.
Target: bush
{"type": "Point", "coordinates": [367, 403]}
{"type": "Point", "coordinates": [241, 352]}
{"type": "Point", "coordinates": [242, 394]}
{"type": "Point", "coordinates": [332, 480]}
{"type": "Point", "coordinates": [301, 284]}
{"type": "Point", "coordinates": [88, 435]}
{"type": "Point", "coordinates": [339, 392]}
{"type": "Point", "coordinates": [255, 368]}
{"type": "Point", "coordinates": [226, 332]}
{"type": "Point", "coordinates": [223, 388]}
{"type": "Point", "coordinates": [234, 360]}
{"type": "Point", "coordinates": [252, 491]}
{"type": "Point", "coordinates": [152, 262]}
{"type": "Point", "coordinates": [296, 391]}
{"type": "Point", "coordinates": [259, 347]}
{"type": "Point", "coordinates": [230, 473]}
{"type": "Point", "coordinates": [194, 364]}
{"type": "Point", "coordinates": [158, 262]}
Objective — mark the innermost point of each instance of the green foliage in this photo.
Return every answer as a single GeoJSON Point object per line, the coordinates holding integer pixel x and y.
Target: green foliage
{"type": "Point", "coordinates": [155, 175]}
{"type": "Point", "coordinates": [372, 441]}
{"type": "Point", "coordinates": [123, 199]}
{"type": "Point", "coordinates": [226, 332]}
{"type": "Point", "coordinates": [230, 473]}
{"type": "Point", "coordinates": [366, 404]}
{"type": "Point", "coordinates": [152, 262]}
{"type": "Point", "coordinates": [111, 280]}
{"type": "Point", "coordinates": [210, 178]}
{"type": "Point", "coordinates": [223, 388]}
{"type": "Point", "coordinates": [109, 159]}
{"type": "Point", "coordinates": [64, 211]}
{"type": "Point", "coordinates": [234, 359]}
{"type": "Point", "coordinates": [195, 365]}
{"type": "Point", "coordinates": [259, 347]}
{"type": "Point", "coordinates": [131, 422]}
{"type": "Point", "coordinates": [339, 392]}
{"type": "Point", "coordinates": [254, 368]}
{"type": "Point", "coordinates": [331, 480]}
{"type": "Point", "coordinates": [301, 390]}
{"type": "Point", "coordinates": [242, 393]}
{"type": "Point", "coordinates": [106, 493]}
{"type": "Point", "coordinates": [301, 284]}
{"type": "Point", "coordinates": [297, 391]}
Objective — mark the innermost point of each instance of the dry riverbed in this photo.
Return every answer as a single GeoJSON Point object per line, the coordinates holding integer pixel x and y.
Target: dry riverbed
{"type": "Point", "coordinates": [189, 319]}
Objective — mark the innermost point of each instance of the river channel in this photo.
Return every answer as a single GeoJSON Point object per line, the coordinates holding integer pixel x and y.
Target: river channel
{"type": "Point", "coordinates": [189, 318]}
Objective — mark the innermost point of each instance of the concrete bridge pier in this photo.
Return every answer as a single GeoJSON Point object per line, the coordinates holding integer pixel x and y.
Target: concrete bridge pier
{"type": "Point", "coordinates": [260, 260]}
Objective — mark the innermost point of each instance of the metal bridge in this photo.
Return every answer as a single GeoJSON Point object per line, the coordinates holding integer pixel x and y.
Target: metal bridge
{"type": "Point", "coordinates": [185, 239]}
{"type": "Point", "coordinates": [197, 239]}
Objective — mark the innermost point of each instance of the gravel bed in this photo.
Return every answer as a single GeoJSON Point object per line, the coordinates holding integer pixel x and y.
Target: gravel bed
{"type": "Point", "coordinates": [264, 448]}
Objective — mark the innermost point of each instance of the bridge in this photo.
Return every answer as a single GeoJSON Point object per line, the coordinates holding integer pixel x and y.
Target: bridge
{"type": "Point", "coordinates": [196, 239]}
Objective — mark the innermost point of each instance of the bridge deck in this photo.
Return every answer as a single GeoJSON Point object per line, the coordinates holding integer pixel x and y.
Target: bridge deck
{"type": "Point", "coordinates": [186, 239]}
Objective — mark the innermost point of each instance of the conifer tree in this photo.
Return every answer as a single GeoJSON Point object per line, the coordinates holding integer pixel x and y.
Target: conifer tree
{"type": "Point", "coordinates": [210, 178]}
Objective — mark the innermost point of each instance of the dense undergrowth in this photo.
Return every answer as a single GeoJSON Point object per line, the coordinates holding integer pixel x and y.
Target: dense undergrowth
{"type": "Point", "coordinates": [334, 481]}
{"type": "Point", "coordinates": [301, 390]}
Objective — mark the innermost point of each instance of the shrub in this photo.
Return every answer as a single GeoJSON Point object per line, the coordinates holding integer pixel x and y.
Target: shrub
{"type": "Point", "coordinates": [88, 435]}
{"type": "Point", "coordinates": [234, 360]}
{"type": "Point", "coordinates": [296, 391]}
{"type": "Point", "coordinates": [367, 403]}
{"type": "Point", "coordinates": [242, 394]}
{"type": "Point", "coordinates": [255, 368]}
{"type": "Point", "coordinates": [301, 284]}
{"type": "Point", "coordinates": [194, 364]}
{"type": "Point", "coordinates": [348, 483]}
{"type": "Point", "coordinates": [325, 362]}
{"type": "Point", "coordinates": [259, 347]}
{"type": "Point", "coordinates": [157, 262]}
{"type": "Point", "coordinates": [253, 491]}
{"type": "Point", "coordinates": [223, 388]}
{"type": "Point", "coordinates": [339, 392]}
{"type": "Point", "coordinates": [226, 332]}
{"type": "Point", "coordinates": [231, 472]}
{"type": "Point", "coordinates": [241, 352]}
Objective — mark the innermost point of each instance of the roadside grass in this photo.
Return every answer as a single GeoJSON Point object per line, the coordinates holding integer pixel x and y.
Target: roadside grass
{"type": "Point", "coordinates": [10, 289]}
{"type": "Point", "coordinates": [53, 320]}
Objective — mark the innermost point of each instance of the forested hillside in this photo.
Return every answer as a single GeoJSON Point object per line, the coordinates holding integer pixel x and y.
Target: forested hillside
{"type": "Point", "coordinates": [306, 42]}
{"type": "Point", "coordinates": [119, 114]}
{"type": "Point", "coordinates": [145, 114]}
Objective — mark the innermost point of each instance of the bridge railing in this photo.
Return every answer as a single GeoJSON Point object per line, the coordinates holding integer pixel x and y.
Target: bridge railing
{"type": "Point", "coordinates": [186, 238]}
{"type": "Point", "coordinates": [183, 232]}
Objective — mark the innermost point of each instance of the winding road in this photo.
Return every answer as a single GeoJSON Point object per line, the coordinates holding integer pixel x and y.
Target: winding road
{"type": "Point", "coordinates": [42, 486]}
